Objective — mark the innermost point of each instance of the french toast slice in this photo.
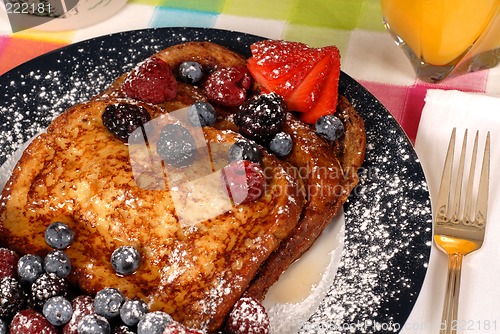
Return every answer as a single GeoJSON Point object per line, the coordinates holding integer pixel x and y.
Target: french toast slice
{"type": "Point", "coordinates": [80, 174]}
{"type": "Point", "coordinates": [328, 170]}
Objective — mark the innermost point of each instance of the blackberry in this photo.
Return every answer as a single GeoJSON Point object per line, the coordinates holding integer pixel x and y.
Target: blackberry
{"type": "Point", "coordinates": [132, 311]}
{"type": "Point", "coordinates": [122, 119]}
{"type": "Point", "coordinates": [190, 72]}
{"type": "Point", "coordinates": [108, 302]}
{"type": "Point", "coordinates": [122, 330]}
{"type": "Point", "coordinates": [94, 324]}
{"type": "Point", "coordinates": [201, 114]}
{"type": "Point", "coordinates": [329, 127]}
{"type": "Point", "coordinates": [262, 117]}
{"type": "Point", "coordinates": [12, 297]}
{"type": "Point", "coordinates": [153, 323]}
{"type": "Point", "coordinates": [176, 146]}
{"type": "Point", "coordinates": [125, 260]}
{"type": "Point", "coordinates": [57, 262]}
{"type": "Point", "coordinates": [244, 150]}
{"type": "Point", "coordinates": [58, 310]}
{"type": "Point", "coordinates": [281, 145]}
{"type": "Point", "coordinates": [48, 285]}
{"type": "Point", "coordinates": [58, 235]}
{"type": "Point", "coordinates": [29, 268]}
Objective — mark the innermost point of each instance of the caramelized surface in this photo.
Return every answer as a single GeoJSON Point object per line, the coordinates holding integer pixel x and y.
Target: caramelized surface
{"type": "Point", "coordinates": [80, 174]}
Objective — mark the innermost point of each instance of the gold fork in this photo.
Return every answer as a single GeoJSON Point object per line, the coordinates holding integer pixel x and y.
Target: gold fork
{"type": "Point", "coordinates": [459, 224]}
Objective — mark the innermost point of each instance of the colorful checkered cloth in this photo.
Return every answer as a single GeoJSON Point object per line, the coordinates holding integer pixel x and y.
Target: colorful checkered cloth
{"type": "Point", "coordinates": [368, 53]}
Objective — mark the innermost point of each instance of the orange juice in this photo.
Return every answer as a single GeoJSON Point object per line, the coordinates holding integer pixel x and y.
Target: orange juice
{"type": "Point", "coordinates": [439, 32]}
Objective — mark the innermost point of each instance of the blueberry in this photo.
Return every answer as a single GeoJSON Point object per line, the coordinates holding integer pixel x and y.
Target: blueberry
{"type": "Point", "coordinates": [125, 260]}
{"type": "Point", "coordinates": [58, 235]}
{"type": "Point", "coordinates": [29, 268]}
{"type": "Point", "coordinates": [107, 302]}
{"type": "Point", "coordinates": [244, 150]}
{"type": "Point", "coordinates": [201, 114]}
{"type": "Point", "coordinates": [57, 262]}
{"type": "Point", "coordinates": [329, 127]}
{"type": "Point", "coordinates": [281, 145]}
{"type": "Point", "coordinates": [132, 311]}
{"type": "Point", "coordinates": [153, 323]}
{"type": "Point", "coordinates": [94, 324]}
{"type": "Point", "coordinates": [3, 327]}
{"type": "Point", "coordinates": [176, 146]}
{"type": "Point", "coordinates": [190, 72]}
{"type": "Point", "coordinates": [57, 310]}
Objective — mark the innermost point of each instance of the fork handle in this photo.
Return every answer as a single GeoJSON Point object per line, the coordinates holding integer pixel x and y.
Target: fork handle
{"type": "Point", "coordinates": [449, 321]}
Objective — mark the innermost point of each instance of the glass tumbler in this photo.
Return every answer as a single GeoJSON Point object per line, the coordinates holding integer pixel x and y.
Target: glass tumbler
{"type": "Point", "coordinates": [445, 37]}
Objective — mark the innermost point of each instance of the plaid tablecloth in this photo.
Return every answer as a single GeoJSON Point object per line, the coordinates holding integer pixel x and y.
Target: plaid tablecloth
{"type": "Point", "coordinates": [369, 54]}
{"type": "Point", "coordinates": [355, 26]}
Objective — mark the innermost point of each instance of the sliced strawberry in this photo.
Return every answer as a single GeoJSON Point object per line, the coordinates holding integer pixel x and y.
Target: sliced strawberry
{"type": "Point", "coordinates": [282, 80]}
{"type": "Point", "coordinates": [327, 102]}
{"type": "Point", "coordinates": [276, 53]}
{"type": "Point", "coordinates": [299, 73]}
{"type": "Point", "coordinates": [307, 94]}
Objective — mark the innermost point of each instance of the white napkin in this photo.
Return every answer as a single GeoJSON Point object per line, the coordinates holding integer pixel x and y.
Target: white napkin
{"type": "Point", "coordinates": [480, 290]}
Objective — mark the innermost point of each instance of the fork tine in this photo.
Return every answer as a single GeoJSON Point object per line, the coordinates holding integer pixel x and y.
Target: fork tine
{"type": "Point", "coordinates": [482, 197]}
{"type": "Point", "coordinates": [468, 214]}
{"type": "Point", "coordinates": [458, 185]}
{"type": "Point", "coordinates": [445, 186]}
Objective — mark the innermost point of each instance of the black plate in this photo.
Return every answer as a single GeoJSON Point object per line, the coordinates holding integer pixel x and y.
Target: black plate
{"type": "Point", "coordinates": [388, 216]}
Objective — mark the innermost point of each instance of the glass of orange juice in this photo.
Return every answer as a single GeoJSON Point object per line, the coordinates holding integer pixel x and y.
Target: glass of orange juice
{"type": "Point", "coordinates": [445, 37]}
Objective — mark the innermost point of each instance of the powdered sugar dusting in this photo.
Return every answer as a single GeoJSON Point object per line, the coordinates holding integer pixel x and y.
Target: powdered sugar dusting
{"type": "Point", "coordinates": [388, 226]}
{"type": "Point", "coordinates": [388, 218]}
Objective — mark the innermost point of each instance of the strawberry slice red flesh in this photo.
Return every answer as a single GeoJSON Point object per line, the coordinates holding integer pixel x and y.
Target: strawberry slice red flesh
{"type": "Point", "coordinates": [307, 78]}
{"type": "Point", "coordinates": [327, 102]}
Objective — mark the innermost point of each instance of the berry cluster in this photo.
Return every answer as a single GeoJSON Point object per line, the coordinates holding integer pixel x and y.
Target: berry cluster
{"type": "Point", "coordinates": [44, 306]}
{"type": "Point", "coordinates": [33, 290]}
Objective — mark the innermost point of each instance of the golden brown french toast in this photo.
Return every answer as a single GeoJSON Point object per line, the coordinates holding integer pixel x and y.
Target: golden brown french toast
{"type": "Point", "coordinates": [328, 169]}
{"type": "Point", "coordinates": [111, 194]}
{"type": "Point", "coordinates": [79, 174]}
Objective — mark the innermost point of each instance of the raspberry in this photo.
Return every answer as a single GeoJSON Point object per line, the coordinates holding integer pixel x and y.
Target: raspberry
{"type": "Point", "coordinates": [228, 86]}
{"type": "Point", "coordinates": [177, 328]}
{"type": "Point", "coordinates": [262, 117]}
{"type": "Point", "coordinates": [243, 180]}
{"type": "Point", "coordinates": [151, 81]}
{"type": "Point", "coordinates": [248, 317]}
{"type": "Point", "coordinates": [82, 306]}
{"type": "Point", "coordinates": [31, 322]}
{"type": "Point", "coordinates": [12, 297]}
{"type": "Point", "coordinates": [46, 286]}
{"type": "Point", "coordinates": [8, 263]}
